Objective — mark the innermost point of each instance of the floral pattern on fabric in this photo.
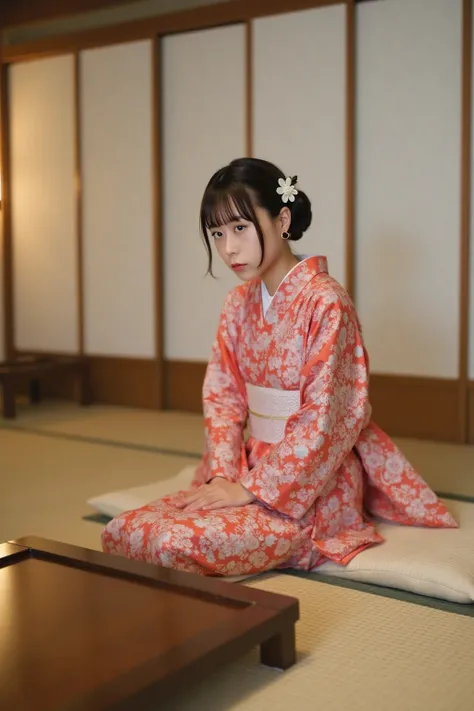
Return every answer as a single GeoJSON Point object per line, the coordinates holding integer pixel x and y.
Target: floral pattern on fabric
{"type": "Point", "coordinates": [319, 487]}
{"type": "Point", "coordinates": [233, 541]}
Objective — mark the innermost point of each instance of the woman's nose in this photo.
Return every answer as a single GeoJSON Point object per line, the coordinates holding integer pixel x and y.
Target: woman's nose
{"type": "Point", "coordinates": [231, 245]}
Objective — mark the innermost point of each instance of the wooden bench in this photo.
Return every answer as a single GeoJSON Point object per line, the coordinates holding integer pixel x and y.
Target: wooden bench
{"type": "Point", "coordinates": [32, 369]}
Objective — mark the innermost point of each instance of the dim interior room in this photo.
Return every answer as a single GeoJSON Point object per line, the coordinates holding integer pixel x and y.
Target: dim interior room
{"type": "Point", "coordinates": [112, 122]}
{"type": "Point", "coordinates": [110, 133]}
{"type": "Point", "coordinates": [110, 143]}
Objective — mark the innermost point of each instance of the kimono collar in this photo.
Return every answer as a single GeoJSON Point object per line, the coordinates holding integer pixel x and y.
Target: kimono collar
{"type": "Point", "coordinates": [292, 285]}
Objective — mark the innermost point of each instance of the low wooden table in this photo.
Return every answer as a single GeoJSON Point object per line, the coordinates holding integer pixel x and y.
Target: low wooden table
{"type": "Point", "coordinates": [13, 374]}
{"type": "Point", "coordinates": [85, 631]}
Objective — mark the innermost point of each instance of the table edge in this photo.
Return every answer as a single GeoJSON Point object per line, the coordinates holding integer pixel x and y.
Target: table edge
{"type": "Point", "coordinates": [261, 616]}
{"type": "Point", "coordinates": [106, 563]}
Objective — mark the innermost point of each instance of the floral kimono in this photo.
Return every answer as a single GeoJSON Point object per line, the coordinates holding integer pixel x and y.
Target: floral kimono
{"type": "Point", "coordinates": [295, 370]}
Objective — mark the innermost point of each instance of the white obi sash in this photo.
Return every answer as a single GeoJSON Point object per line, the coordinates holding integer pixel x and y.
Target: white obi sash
{"type": "Point", "coordinates": [269, 410]}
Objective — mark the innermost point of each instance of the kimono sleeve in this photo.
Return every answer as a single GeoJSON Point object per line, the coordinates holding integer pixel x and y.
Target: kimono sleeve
{"type": "Point", "coordinates": [225, 400]}
{"type": "Point", "coordinates": [334, 410]}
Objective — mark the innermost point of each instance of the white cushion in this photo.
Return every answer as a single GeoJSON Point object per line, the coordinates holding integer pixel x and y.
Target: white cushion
{"type": "Point", "coordinates": [116, 502]}
{"type": "Point", "coordinates": [434, 562]}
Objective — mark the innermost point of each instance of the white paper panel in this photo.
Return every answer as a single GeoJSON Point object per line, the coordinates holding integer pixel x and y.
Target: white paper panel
{"type": "Point", "coordinates": [204, 128]}
{"type": "Point", "coordinates": [408, 184]}
{"type": "Point", "coordinates": [299, 103]}
{"type": "Point", "coordinates": [117, 165]}
{"type": "Point", "coordinates": [43, 205]}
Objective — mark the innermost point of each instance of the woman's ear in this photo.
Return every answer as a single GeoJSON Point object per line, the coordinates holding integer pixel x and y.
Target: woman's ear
{"type": "Point", "coordinates": [285, 219]}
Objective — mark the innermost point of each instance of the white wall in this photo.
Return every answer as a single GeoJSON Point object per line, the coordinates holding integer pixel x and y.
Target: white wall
{"type": "Point", "coordinates": [203, 129]}
{"type": "Point", "coordinates": [117, 180]}
{"type": "Point", "coordinates": [299, 116]}
{"type": "Point", "coordinates": [408, 184]}
{"type": "Point", "coordinates": [43, 205]}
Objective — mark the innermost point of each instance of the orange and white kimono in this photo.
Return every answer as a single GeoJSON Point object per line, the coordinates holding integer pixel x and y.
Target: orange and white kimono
{"type": "Point", "coordinates": [297, 373]}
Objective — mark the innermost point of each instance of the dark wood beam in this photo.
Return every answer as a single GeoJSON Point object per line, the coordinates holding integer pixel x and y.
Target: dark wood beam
{"type": "Point", "coordinates": [23, 12]}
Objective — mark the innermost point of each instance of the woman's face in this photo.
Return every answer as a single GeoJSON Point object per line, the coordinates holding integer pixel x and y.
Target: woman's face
{"type": "Point", "coordinates": [238, 245]}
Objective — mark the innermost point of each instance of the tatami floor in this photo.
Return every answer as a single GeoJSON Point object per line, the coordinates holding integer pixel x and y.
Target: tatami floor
{"type": "Point", "coordinates": [56, 456]}
{"type": "Point", "coordinates": [355, 650]}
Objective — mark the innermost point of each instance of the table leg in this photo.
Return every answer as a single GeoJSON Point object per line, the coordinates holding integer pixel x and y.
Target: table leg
{"type": "Point", "coordinates": [8, 401]}
{"type": "Point", "coordinates": [280, 651]}
{"type": "Point", "coordinates": [35, 391]}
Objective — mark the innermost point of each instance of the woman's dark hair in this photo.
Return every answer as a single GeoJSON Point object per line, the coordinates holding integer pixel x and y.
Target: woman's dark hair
{"type": "Point", "coordinates": [233, 190]}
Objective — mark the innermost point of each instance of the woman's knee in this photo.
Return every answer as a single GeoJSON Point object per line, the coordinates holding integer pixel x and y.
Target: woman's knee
{"type": "Point", "coordinates": [113, 535]}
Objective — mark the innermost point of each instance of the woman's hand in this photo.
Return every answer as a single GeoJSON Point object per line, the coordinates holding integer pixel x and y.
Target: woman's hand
{"type": "Point", "coordinates": [218, 494]}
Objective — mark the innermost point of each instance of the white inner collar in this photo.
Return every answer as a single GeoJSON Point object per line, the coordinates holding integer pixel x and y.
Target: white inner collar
{"type": "Point", "coordinates": [266, 298]}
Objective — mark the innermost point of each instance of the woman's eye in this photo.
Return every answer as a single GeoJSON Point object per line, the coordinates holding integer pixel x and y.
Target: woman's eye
{"type": "Point", "coordinates": [217, 235]}
{"type": "Point", "coordinates": [240, 228]}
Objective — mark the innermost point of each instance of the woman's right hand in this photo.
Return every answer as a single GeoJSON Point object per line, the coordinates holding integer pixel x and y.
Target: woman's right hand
{"type": "Point", "coordinates": [217, 494]}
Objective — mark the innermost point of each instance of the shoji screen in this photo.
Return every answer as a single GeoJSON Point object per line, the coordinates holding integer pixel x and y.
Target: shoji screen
{"type": "Point", "coordinates": [117, 180]}
{"type": "Point", "coordinates": [299, 115]}
{"type": "Point", "coordinates": [408, 184]}
{"type": "Point", "coordinates": [43, 205]}
{"type": "Point", "coordinates": [203, 128]}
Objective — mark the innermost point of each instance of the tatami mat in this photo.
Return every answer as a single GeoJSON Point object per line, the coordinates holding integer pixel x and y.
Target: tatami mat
{"type": "Point", "coordinates": [448, 468]}
{"type": "Point", "coordinates": [178, 432]}
{"type": "Point", "coordinates": [45, 483]}
{"type": "Point", "coordinates": [355, 652]}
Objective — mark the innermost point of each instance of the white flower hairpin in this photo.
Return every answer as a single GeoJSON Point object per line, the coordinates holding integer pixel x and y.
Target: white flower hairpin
{"type": "Point", "coordinates": [287, 189]}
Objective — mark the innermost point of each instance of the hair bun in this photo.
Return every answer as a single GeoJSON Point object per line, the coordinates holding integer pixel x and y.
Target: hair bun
{"type": "Point", "coordinates": [301, 216]}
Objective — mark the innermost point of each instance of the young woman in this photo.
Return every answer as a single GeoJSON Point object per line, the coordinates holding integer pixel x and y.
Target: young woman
{"type": "Point", "coordinates": [288, 361]}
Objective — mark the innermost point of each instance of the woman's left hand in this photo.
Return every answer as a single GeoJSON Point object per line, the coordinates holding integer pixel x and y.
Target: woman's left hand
{"type": "Point", "coordinates": [218, 494]}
